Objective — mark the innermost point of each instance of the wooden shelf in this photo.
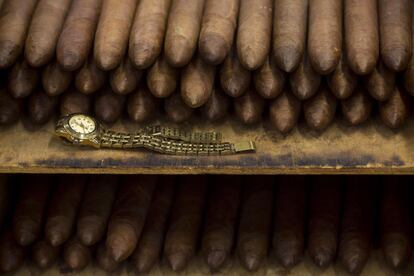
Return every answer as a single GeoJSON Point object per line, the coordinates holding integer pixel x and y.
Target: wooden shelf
{"type": "Point", "coordinates": [197, 267]}
{"type": "Point", "coordinates": [368, 149]}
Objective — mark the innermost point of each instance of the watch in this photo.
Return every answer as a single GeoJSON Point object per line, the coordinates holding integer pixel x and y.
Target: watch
{"type": "Point", "coordinates": [81, 129]}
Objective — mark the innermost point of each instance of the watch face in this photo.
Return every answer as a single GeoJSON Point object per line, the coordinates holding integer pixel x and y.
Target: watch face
{"type": "Point", "coordinates": [82, 124]}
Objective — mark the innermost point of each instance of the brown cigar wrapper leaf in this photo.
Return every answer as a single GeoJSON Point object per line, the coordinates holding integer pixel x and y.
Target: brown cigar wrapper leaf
{"type": "Point", "coordinates": [112, 34]}
{"type": "Point", "coordinates": [289, 220]}
{"type": "Point", "coordinates": [249, 107]}
{"type": "Point", "coordinates": [183, 28]}
{"type": "Point", "coordinates": [162, 79]}
{"type": "Point", "coordinates": [304, 81]}
{"type": "Point", "coordinates": [361, 35]}
{"type": "Point", "coordinates": [44, 255]}
{"type": "Point", "coordinates": [148, 30]}
{"type": "Point", "coordinates": [395, 111]}
{"type": "Point", "coordinates": [41, 107]}
{"type": "Point", "coordinates": [74, 101]}
{"type": "Point", "coordinates": [125, 78]}
{"type": "Point", "coordinates": [15, 19]}
{"type": "Point", "coordinates": [357, 108]}
{"type": "Point", "coordinates": [108, 106]}
{"type": "Point", "coordinates": [234, 79]}
{"type": "Point", "coordinates": [142, 106]}
{"type": "Point", "coordinates": [63, 208]}
{"type": "Point", "coordinates": [10, 108]}
{"type": "Point", "coordinates": [357, 224]}
{"type": "Point", "coordinates": [221, 220]}
{"type": "Point", "coordinates": [216, 107]}
{"type": "Point", "coordinates": [254, 32]}
{"type": "Point", "coordinates": [217, 30]}
{"type": "Point", "coordinates": [22, 79]}
{"type": "Point", "coordinates": [149, 248]}
{"type": "Point", "coordinates": [380, 83]}
{"type": "Point", "coordinates": [29, 214]}
{"type": "Point", "coordinates": [325, 35]}
{"type": "Point", "coordinates": [325, 204]}
{"type": "Point", "coordinates": [320, 109]}
{"type": "Point", "coordinates": [395, 24]}
{"type": "Point", "coordinates": [76, 39]}
{"type": "Point", "coordinates": [284, 112]}
{"type": "Point", "coordinates": [90, 78]}
{"type": "Point", "coordinates": [342, 81]}
{"type": "Point", "coordinates": [55, 79]}
{"type": "Point", "coordinates": [269, 80]}
{"type": "Point", "coordinates": [96, 208]}
{"type": "Point", "coordinates": [176, 110]}
{"type": "Point", "coordinates": [186, 217]}
{"type": "Point", "coordinates": [290, 21]}
{"type": "Point", "coordinates": [128, 215]}
{"type": "Point", "coordinates": [255, 221]}
{"type": "Point", "coordinates": [197, 81]}
{"type": "Point", "coordinates": [395, 222]}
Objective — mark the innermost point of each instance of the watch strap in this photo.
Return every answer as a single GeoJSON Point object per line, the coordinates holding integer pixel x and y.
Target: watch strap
{"type": "Point", "coordinates": [182, 135]}
{"type": "Point", "coordinates": [112, 139]}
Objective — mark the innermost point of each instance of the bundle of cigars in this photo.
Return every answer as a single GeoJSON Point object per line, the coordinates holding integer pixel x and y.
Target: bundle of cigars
{"type": "Point", "coordinates": [276, 60]}
{"type": "Point", "coordinates": [142, 221]}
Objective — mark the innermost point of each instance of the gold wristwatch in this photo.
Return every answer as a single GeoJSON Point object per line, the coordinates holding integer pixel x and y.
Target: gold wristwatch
{"type": "Point", "coordinates": [80, 129]}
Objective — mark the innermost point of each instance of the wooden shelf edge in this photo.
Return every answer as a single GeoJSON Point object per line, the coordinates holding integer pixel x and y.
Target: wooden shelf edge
{"type": "Point", "coordinates": [369, 149]}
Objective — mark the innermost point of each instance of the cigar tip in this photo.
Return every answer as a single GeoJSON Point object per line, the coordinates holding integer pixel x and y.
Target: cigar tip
{"type": "Point", "coordinates": [160, 89]}
{"type": "Point", "coordinates": [25, 239]}
{"type": "Point", "coordinates": [73, 261]}
{"type": "Point", "coordinates": [213, 49]}
{"type": "Point", "coordinates": [55, 239]}
{"type": "Point", "coordinates": [70, 61]}
{"type": "Point", "coordinates": [193, 97]}
{"type": "Point", "coordinates": [177, 261]}
{"type": "Point", "coordinates": [87, 238]}
{"type": "Point", "coordinates": [324, 66]}
{"type": "Point", "coordinates": [9, 52]}
{"type": "Point", "coordinates": [396, 59]}
{"type": "Point", "coordinates": [251, 261]}
{"type": "Point", "coordinates": [322, 259]}
{"type": "Point", "coordinates": [143, 55]}
{"type": "Point", "coordinates": [143, 264]}
{"type": "Point", "coordinates": [360, 64]}
{"type": "Point", "coordinates": [179, 54]}
{"type": "Point", "coordinates": [216, 258]}
{"type": "Point", "coordinates": [249, 60]}
{"type": "Point", "coordinates": [287, 58]}
{"type": "Point", "coordinates": [396, 256]}
{"type": "Point", "coordinates": [288, 259]}
{"type": "Point", "coordinates": [107, 62]}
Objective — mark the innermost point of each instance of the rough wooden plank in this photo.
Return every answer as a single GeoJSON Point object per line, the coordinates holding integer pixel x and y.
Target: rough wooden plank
{"type": "Point", "coordinates": [197, 267]}
{"type": "Point", "coordinates": [371, 149]}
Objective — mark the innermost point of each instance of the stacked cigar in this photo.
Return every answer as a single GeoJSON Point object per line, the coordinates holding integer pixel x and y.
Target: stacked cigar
{"type": "Point", "coordinates": [141, 219]}
{"type": "Point", "coordinates": [264, 58]}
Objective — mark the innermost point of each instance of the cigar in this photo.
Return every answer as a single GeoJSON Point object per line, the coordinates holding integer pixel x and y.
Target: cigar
{"type": "Point", "coordinates": [323, 227]}
{"type": "Point", "coordinates": [221, 218]}
{"type": "Point", "coordinates": [357, 108]}
{"type": "Point", "coordinates": [255, 221]}
{"type": "Point", "coordinates": [289, 220]}
{"type": "Point", "coordinates": [357, 224]}
{"type": "Point", "coordinates": [149, 248]}
{"type": "Point", "coordinates": [216, 107]}
{"type": "Point", "coordinates": [284, 112]}
{"type": "Point", "coordinates": [396, 222]}
{"type": "Point", "coordinates": [29, 215]}
{"type": "Point", "coordinates": [44, 255]}
{"type": "Point", "coordinates": [185, 222]}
